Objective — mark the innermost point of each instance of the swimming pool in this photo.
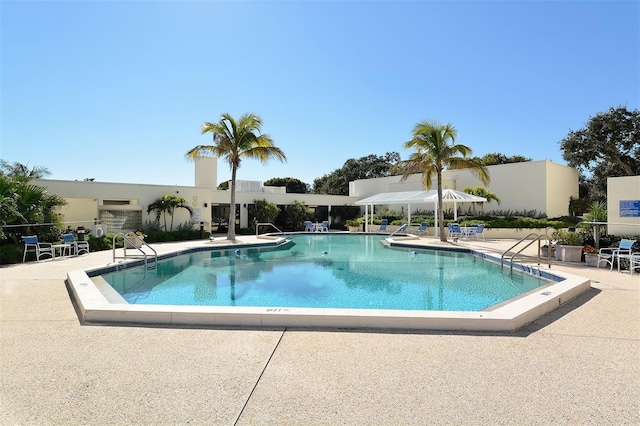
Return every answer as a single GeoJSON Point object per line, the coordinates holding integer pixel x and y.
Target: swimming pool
{"type": "Point", "coordinates": [98, 302]}
{"type": "Point", "coordinates": [325, 271]}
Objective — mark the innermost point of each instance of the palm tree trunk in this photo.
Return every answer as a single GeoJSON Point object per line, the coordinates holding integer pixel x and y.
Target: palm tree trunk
{"type": "Point", "coordinates": [443, 237]}
{"type": "Point", "coordinates": [231, 232]}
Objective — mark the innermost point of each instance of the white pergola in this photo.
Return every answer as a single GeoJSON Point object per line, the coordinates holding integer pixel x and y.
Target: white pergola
{"type": "Point", "coordinates": [418, 197]}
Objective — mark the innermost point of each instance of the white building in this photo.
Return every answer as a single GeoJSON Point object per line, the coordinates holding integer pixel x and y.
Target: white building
{"type": "Point", "coordinates": [623, 205]}
{"type": "Point", "coordinates": [543, 186]}
{"type": "Point", "coordinates": [123, 206]}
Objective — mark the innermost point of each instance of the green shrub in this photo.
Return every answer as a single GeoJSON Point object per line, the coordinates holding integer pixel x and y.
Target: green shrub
{"type": "Point", "coordinates": [567, 238]}
{"type": "Point", "coordinates": [12, 253]}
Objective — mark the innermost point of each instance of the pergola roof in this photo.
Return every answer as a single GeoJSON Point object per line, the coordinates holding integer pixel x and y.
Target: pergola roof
{"type": "Point", "coordinates": [409, 197]}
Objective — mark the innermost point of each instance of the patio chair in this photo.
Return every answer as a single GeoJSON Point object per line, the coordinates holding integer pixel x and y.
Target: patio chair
{"type": "Point", "coordinates": [77, 247]}
{"type": "Point", "coordinates": [610, 254]}
{"type": "Point", "coordinates": [454, 230]}
{"type": "Point", "coordinates": [325, 226]}
{"type": "Point", "coordinates": [634, 261]}
{"type": "Point", "coordinates": [422, 229]}
{"type": "Point", "coordinates": [383, 225]}
{"type": "Point", "coordinates": [308, 226]}
{"type": "Point", "coordinates": [32, 245]}
{"type": "Point", "coordinates": [477, 231]}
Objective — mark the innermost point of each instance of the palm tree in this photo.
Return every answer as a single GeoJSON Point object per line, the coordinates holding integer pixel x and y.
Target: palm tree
{"type": "Point", "coordinates": [436, 150]}
{"type": "Point", "coordinates": [483, 192]}
{"type": "Point", "coordinates": [168, 204]}
{"type": "Point", "coordinates": [22, 202]}
{"type": "Point", "coordinates": [235, 140]}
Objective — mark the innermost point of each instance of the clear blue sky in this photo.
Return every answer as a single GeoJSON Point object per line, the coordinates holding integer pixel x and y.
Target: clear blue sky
{"type": "Point", "coordinates": [118, 90]}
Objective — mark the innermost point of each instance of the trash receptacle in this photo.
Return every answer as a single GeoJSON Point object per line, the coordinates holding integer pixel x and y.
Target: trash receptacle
{"type": "Point", "coordinates": [81, 233]}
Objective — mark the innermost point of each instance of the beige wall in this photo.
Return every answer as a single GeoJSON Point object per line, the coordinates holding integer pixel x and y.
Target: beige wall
{"type": "Point", "coordinates": [206, 172]}
{"type": "Point", "coordinates": [622, 189]}
{"type": "Point", "coordinates": [86, 199]}
{"type": "Point", "coordinates": [538, 185]}
{"type": "Point", "coordinates": [543, 186]}
{"type": "Point", "coordinates": [76, 212]}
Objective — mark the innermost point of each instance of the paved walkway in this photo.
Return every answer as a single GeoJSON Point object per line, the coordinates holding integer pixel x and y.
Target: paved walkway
{"type": "Point", "coordinates": [578, 365]}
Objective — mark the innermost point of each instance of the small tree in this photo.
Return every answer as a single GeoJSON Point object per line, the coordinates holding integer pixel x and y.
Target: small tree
{"type": "Point", "coordinates": [22, 202]}
{"type": "Point", "coordinates": [597, 213]}
{"type": "Point", "coordinates": [264, 211]}
{"type": "Point", "coordinates": [297, 213]}
{"type": "Point", "coordinates": [483, 192]}
{"type": "Point", "coordinates": [167, 204]}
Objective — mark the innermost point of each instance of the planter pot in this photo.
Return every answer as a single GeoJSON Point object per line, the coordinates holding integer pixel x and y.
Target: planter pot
{"type": "Point", "coordinates": [591, 259]}
{"type": "Point", "coordinates": [569, 253]}
{"type": "Point", "coordinates": [544, 250]}
{"type": "Point", "coordinates": [134, 243]}
{"type": "Point", "coordinates": [354, 228]}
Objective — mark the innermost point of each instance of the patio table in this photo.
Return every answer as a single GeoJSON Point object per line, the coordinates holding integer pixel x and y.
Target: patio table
{"type": "Point", "coordinates": [634, 261]}
{"type": "Point", "coordinates": [64, 249]}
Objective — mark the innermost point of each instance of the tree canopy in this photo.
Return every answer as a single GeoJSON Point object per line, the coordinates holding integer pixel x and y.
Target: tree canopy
{"type": "Point", "coordinates": [293, 185]}
{"type": "Point", "coordinates": [495, 158]}
{"type": "Point", "coordinates": [607, 146]}
{"type": "Point", "coordinates": [167, 204]}
{"type": "Point", "coordinates": [23, 203]}
{"type": "Point", "coordinates": [371, 166]}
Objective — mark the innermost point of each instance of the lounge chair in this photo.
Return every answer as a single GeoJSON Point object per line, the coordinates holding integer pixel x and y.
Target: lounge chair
{"type": "Point", "coordinates": [610, 254]}
{"type": "Point", "coordinates": [32, 245]}
{"type": "Point", "coordinates": [324, 226]}
{"type": "Point", "coordinates": [422, 229]}
{"type": "Point", "coordinates": [383, 225]}
{"type": "Point", "coordinates": [308, 226]}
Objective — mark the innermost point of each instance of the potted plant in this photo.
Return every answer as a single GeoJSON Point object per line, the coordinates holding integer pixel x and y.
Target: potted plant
{"type": "Point", "coordinates": [591, 256]}
{"type": "Point", "coordinates": [354, 225]}
{"type": "Point", "coordinates": [134, 239]}
{"type": "Point", "coordinates": [568, 245]}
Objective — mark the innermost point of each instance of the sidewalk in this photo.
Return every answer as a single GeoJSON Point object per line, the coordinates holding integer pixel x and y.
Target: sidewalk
{"type": "Point", "coordinates": [577, 365]}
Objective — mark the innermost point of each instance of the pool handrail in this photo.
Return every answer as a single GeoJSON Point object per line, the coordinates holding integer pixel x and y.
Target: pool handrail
{"type": "Point", "coordinates": [265, 224]}
{"type": "Point", "coordinates": [537, 238]}
{"type": "Point", "coordinates": [137, 242]}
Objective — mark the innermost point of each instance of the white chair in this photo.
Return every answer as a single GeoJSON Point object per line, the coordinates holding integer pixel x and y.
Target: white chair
{"type": "Point", "coordinates": [634, 261]}
{"type": "Point", "coordinates": [325, 226]}
{"type": "Point", "coordinates": [610, 254]}
{"type": "Point", "coordinates": [77, 247]}
{"type": "Point", "coordinates": [308, 226]}
{"type": "Point", "coordinates": [32, 245]}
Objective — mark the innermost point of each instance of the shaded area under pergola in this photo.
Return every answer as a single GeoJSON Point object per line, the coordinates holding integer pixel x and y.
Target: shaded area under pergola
{"type": "Point", "coordinates": [449, 196]}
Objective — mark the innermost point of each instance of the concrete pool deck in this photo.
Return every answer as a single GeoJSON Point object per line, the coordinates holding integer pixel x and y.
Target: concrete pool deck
{"type": "Point", "coordinates": [577, 365]}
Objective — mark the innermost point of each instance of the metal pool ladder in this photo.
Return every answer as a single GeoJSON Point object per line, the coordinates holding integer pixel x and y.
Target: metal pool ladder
{"type": "Point", "coordinates": [150, 260]}
{"type": "Point", "coordinates": [537, 238]}
{"type": "Point", "coordinates": [267, 224]}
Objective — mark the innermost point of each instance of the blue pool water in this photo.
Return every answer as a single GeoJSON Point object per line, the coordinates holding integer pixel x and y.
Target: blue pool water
{"type": "Point", "coordinates": [325, 271]}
